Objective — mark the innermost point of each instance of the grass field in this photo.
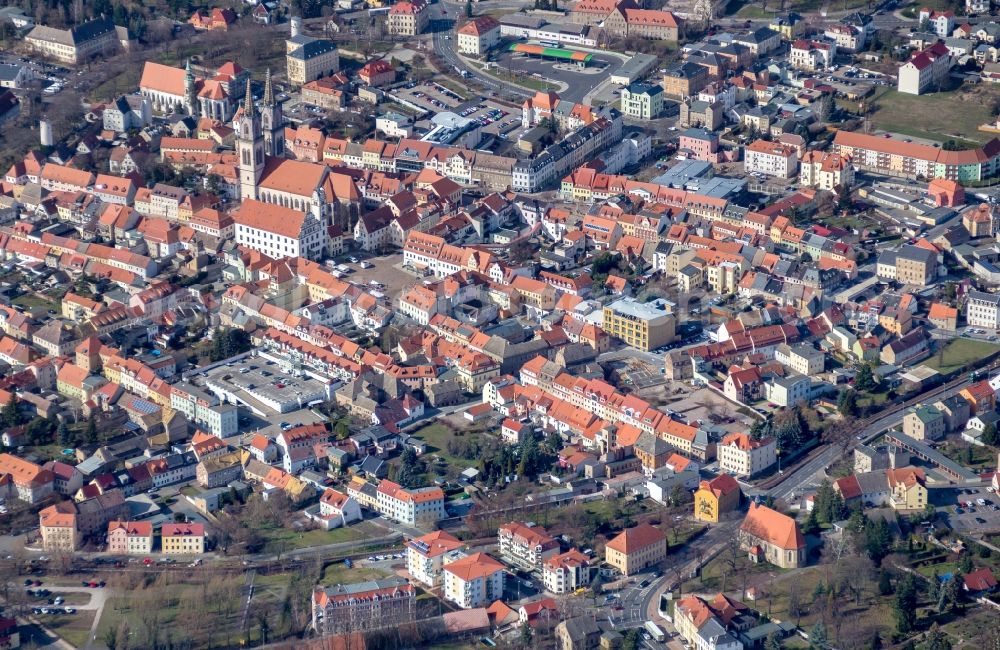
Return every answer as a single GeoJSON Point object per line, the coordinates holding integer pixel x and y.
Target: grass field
{"type": "Point", "coordinates": [960, 352]}
{"type": "Point", "coordinates": [973, 456]}
{"type": "Point", "coordinates": [73, 628]}
{"type": "Point", "coordinates": [437, 436]}
{"type": "Point", "coordinates": [339, 574]}
{"type": "Point", "coordinates": [293, 539]}
{"type": "Point", "coordinates": [934, 116]}
{"type": "Point", "coordinates": [30, 300]}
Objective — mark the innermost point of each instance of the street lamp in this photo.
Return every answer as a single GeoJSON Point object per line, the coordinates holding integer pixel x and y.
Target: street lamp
{"type": "Point", "coordinates": [777, 452]}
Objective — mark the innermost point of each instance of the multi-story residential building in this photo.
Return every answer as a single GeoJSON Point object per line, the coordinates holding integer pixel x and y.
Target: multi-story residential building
{"type": "Point", "coordinates": [701, 113]}
{"type": "Point", "coordinates": [363, 606]}
{"type": "Point", "coordinates": [811, 55]}
{"type": "Point", "coordinates": [642, 101]}
{"type": "Point", "coordinates": [408, 18]}
{"type": "Point", "coordinates": [94, 514]}
{"type": "Point", "coordinates": [204, 409]}
{"type": "Point", "coordinates": [883, 155]}
{"type": "Point", "coordinates": [32, 483]}
{"type": "Point", "coordinates": [338, 509]}
{"type": "Point", "coordinates": [378, 73]}
{"type": "Point", "coordinates": [941, 23]}
{"type": "Point", "coordinates": [427, 556]}
{"type": "Point", "coordinates": [982, 309]}
{"type": "Point", "coordinates": [182, 539]}
{"type": "Point", "coordinates": [76, 44]}
{"type": "Point", "coordinates": [683, 79]}
{"type": "Point", "coordinates": [127, 112]}
{"type": "Point", "coordinates": [625, 22]}
{"type": "Point", "coordinates": [421, 507]}
{"type": "Point", "coordinates": [526, 546]}
{"type": "Point", "coordinates": [473, 581]}
{"type": "Point", "coordinates": [908, 265]}
{"type": "Point", "coordinates": [478, 36]}
{"type": "Point", "coordinates": [741, 455]}
{"type": "Point", "coordinates": [787, 391]}
{"type": "Point", "coordinates": [907, 489]}
{"type": "Point", "coordinates": [926, 70]}
{"type": "Point", "coordinates": [645, 326]}
{"type": "Point", "coordinates": [636, 548]}
{"type": "Point", "coordinates": [702, 624]}
{"type": "Point", "coordinates": [278, 231]}
{"type": "Point", "coordinates": [826, 171]}
{"type": "Point", "coordinates": [130, 537]}
{"type": "Point", "coordinates": [771, 159]}
{"type": "Point", "coordinates": [57, 525]}
{"type": "Point", "coordinates": [901, 489]}
{"type": "Point", "coordinates": [924, 422]}
{"type": "Point", "coordinates": [308, 59]}
{"type": "Point", "coordinates": [801, 358]}
{"type": "Point", "coordinates": [563, 573]}
{"type": "Point", "coordinates": [699, 144]}
{"type": "Point", "coordinates": [773, 537]}
{"type": "Point", "coordinates": [717, 497]}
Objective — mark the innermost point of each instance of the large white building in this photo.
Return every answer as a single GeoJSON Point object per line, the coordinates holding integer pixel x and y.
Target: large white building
{"type": "Point", "coordinates": [771, 159]}
{"type": "Point", "coordinates": [205, 410]}
{"type": "Point", "coordinates": [740, 455]}
{"type": "Point", "coordinates": [427, 556]}
{"type": "Point", "coordinates": [277, 231]}
{"type": "Point", "coordinates": [983, 309]}
{"type": "Point", "coordinates": [422, 507]}
{"type": "Point", "coordinates": [474, 581]}
{"type": "Point", "coordinates": [566, 572]}
{"type": "Point", "coordinates": [478, 36]}
{"type": "Point", "coordinates": [526, 546]}
{"type": "Point", "coordinates": [926, 70]}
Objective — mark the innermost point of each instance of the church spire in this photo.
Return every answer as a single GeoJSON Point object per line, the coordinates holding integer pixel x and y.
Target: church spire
{"type": "Point", "coordinates": [268, 91]}
{"type": "Point", "coordinates": [248, 100]}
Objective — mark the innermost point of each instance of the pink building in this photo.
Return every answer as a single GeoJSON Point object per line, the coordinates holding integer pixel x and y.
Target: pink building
{"type": "Point", "coordinates": [699, 144]}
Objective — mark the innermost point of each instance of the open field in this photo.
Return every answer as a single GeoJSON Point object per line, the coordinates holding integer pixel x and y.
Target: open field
{"type": "Point", "coordinates": [437, 436]}
{"type": "Point", "coordinates": [285, 540]}
{"type": "Point", "coordinates": [339, 574]}
{"type": "Point", "coordinates": [958, 353]}
{"type": "Point", "coordinates": [73, 628]}
{"type": "Point", "coordinates": [933, 116]}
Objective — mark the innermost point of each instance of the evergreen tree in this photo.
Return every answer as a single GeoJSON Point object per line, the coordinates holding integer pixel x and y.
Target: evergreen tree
{"type": "Point", "coordinates": [811, 524]}
{"type": "Point", "coordinates": [936, 639]}
{"type": "Point", "coordinates": [865, 380]}
{"type": "Point", "coordinates": [91, 432]}
{"type": "Point", "coordinates": [989, 436]}
{"type": "Point", "coordinates": [772, 642]}
{"type": "Point", "coordinates": [965, 563]}
{"type": "Point", "coordinates": [847, 403]}
{"type": "Point", "coordinates": [884, 583]}
{"type": "Point", "coordinates": [904, 606]}
{"type": "Point", "coordinates": [935, 586]}
{"type": "Point", "coordinates": [468, 8]}
{"type": "Point", "coordinates": [63, 431]}
{"type": "Point", "coordinates": [10, 415]}
{"type": "Point", "coordinates": [817, 635]}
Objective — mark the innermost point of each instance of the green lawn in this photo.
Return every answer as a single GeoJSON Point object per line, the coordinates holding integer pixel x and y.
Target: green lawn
{"type": "Point", "coordinates": [437, 436]}
{"type": "Point", "coordinates": [958, 353]}
{"type": "Point", "coordinates": [975, 457]}
{"type": "Point", "coordinates": [73, 628]}
{"type": "Point", "coordinates": [933, 116]}
{"type": "Point", "coordinates": [30, 300]}
{"type": "Point", "coordinates": [339, 574]}
{"type": "Point", "coordinates": [293, 539]}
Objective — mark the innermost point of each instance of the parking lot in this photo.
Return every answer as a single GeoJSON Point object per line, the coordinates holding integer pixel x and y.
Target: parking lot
{"type": "Point", "coordinates": [264, 386]}
{"type": "Point", "coordinates": [493, 118]}
{"type": "Point", "coordinates": [982, 516]}
{"type": "Point", "coordinates": [577, 81]}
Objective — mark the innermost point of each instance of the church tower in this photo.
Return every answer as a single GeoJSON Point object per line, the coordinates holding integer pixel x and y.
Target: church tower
{"type": "Point", "coordinates": [272, 121]}
{"type": "Point", "coordinates": [190, 91]}
{"type": "Point", "coordinates": [249, 147]}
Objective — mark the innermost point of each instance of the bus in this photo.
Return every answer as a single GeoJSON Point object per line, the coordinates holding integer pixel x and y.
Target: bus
{"type": "Point", "coordinates": [549, 44]}
{"type": "Point", "coordinates": [655, 631]}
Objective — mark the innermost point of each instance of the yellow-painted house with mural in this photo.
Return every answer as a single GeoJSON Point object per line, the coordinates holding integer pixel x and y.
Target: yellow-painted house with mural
{"type": "Point", "coordinates": [716, 497]}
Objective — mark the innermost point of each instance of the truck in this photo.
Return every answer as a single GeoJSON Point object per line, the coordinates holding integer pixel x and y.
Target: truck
{"type": "Point", "coordinates": [654, 631]}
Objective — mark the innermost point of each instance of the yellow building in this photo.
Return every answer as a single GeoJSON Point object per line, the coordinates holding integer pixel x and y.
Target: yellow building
{"type": "Point", "coordinates": [716, 497]}
{"type": "Point", "coordinates": [57, 525]}
{"type": "Point", "coordinates": [907, 489]}
{"type": "Point", "coordinates": [635, 549]}
{"type": "Point", "coordinates": [644, 326]}
{"type": "Point", "coordinates": [183, 539]}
